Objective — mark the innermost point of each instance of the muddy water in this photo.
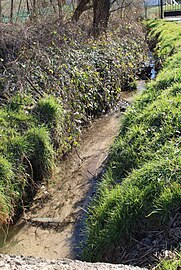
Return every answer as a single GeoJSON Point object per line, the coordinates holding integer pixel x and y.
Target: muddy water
{"type": "Point", "coordinates": [48, 229]}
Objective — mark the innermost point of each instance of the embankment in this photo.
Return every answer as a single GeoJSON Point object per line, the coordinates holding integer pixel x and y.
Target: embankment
{"type": "Point", "coordinates": [135, 215]}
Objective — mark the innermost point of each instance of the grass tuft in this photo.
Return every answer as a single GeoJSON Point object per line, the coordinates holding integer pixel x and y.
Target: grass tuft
{"type": "Point", "coordinates": [40, 152]}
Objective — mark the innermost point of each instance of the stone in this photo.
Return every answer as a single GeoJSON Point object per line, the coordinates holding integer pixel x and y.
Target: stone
{"type": "Point", "coordinates": [9, 262]}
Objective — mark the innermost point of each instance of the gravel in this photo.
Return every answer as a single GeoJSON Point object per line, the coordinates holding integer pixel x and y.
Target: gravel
{"type": "Point", "coordinates": [13, 262]}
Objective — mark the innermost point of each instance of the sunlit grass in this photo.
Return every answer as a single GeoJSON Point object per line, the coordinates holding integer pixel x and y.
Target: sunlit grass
{"type": "Point", "coordinates": [170, 264]}
{"type": "Point", "coordinates": [141, 186]}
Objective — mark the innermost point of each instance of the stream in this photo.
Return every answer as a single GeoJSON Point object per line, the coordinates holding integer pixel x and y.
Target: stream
{"type": "Point", "coordinates": [51, 228]}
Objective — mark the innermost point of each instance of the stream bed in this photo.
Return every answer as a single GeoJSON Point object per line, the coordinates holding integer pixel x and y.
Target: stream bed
{"type": "Point", "coordinates": [50, 229]}
{"type": "Point", "coordinates": [47, 229]}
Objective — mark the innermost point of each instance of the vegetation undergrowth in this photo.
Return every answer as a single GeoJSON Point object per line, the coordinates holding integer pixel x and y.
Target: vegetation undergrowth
{"type": "Point", "coordinates": [54, 79]}
{"type": "Point", "coordinates": [140, 190]}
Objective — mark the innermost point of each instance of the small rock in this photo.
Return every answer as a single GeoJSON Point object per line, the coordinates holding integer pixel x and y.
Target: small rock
{"type": "Point", "coordinates": [31, 261]}
{"type": "Point", "coordinates": [17, 262]}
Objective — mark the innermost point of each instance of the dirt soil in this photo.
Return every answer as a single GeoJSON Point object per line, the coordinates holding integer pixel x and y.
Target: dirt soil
{"type": "Point", "coordinates": [50, 229]}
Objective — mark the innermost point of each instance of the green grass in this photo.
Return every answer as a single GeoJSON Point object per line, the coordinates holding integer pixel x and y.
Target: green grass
{"type": "Point", "coordinates": [154, 12]}
{"type": "Point", "coordinates": [140, 189]}
{"type": "Point", "coordinates": [49, 111]}
{"type": "Point", "coordinates": [26, 149]}
{"type": "Point", "coordinates": [172, 7]}
{"type": "Point", "coordinates": [40, 152]}
{"type": "Point", "coordinates": [168, 35]}
{"type": "Point", "coordinates": [145, 199]}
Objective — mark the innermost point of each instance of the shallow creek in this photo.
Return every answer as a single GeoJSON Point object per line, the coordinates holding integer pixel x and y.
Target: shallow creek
{"type": "Point", "coordinates": [50, 229]}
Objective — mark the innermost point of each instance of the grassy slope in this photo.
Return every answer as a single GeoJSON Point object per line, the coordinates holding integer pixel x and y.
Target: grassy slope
{"type": "Point", "coordinates": [141, 188]}
{"type": "Point", "coordinates": [53, 80]}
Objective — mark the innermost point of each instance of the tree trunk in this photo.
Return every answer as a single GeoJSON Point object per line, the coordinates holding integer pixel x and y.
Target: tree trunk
{"type": "Point", "coordinates": [0, 11]}
{"type": "Point", "coordinates": [19, 7]}
{"type": "Point", "coordinates": [11, 11]}
{"type": "Point", "coordinates": [101, 10]}
{"type": "Point", "coordinates": [34, 8]}
{"type": "Point", "coordinates": [80, 9]}
{"type": "Point", "coordinates": [28, 6]}
{"type": "Point", "coordinates": [59, 9]}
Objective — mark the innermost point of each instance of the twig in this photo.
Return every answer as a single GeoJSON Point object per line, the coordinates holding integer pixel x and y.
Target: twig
{"type": "Point", "coordinates": [169, 226]}
{"type": "Point", "coordinates": [139, 242]}
{"type": "Point", "coordinates": [79, 155]}
{"type": "Point", "coordinates": [35, 88]}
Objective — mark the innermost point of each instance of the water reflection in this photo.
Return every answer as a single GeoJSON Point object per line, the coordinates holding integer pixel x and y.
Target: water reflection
{"type": "Point", "coordinates": [150, 66]}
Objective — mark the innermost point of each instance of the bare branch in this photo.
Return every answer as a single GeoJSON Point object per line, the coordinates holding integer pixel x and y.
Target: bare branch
{"type": "Point", "coordinates": [80, 9]}
{"type": "Point", "coordinates": [122, 6]}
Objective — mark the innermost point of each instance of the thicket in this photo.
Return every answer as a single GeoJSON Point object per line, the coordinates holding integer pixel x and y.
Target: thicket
{"type": "Point", "coordinates": [54, 79]}
{"type": "Point", "coordinates": [141, 188]}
